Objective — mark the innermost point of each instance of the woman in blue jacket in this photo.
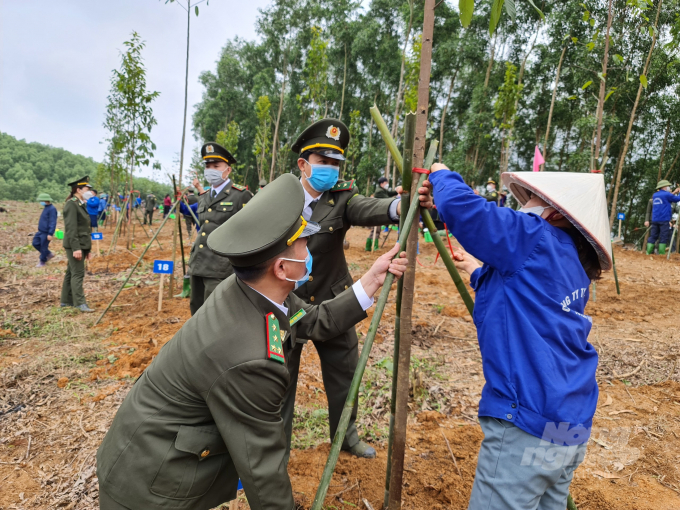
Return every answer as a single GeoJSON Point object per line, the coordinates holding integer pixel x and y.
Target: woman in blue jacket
{"type": "Point", "coordinates": [540, 395]}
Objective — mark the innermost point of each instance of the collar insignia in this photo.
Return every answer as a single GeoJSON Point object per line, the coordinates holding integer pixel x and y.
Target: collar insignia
{"type": "Point", "coordinates": [298, 315]}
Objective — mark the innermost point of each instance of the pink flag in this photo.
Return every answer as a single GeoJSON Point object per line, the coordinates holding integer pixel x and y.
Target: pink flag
{"type": "Point", "coordinates": [538, 159]}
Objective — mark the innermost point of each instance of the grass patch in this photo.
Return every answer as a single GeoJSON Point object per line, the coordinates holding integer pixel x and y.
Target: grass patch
{"type": "Point", "coordinates": [310, 427]}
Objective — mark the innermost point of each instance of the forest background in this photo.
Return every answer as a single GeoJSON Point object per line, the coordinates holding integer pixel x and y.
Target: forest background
{"type": "Point", "coordinates": [491, 97]}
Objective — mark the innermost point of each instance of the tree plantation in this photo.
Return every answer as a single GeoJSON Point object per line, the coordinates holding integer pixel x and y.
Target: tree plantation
{"type": "Point", "coordinates": [535, 82]}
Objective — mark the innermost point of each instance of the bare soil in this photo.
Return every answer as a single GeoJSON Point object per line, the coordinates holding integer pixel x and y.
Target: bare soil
{"type": "Point", "coordinates": [62, 381]}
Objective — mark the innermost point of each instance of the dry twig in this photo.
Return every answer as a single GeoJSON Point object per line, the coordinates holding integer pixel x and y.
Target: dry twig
{"type": "Point", "coordinates": [451, 452]}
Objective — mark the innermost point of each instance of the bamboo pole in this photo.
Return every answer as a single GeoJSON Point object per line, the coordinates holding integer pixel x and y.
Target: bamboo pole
{"type": "Point", "coordinates": [116, 232]}
{"type": "Point", "coordinates": [616, 277]}
{"type": "Point", "coordinates": [361, 365]}
{"type": "Point", "coordinates": [443, 252]}
{"type": "Point", "coordinates": [179, 224]}
{"type": "Point", "coordinates": [136, 264]}
{"type": "Point", "coordinates": [409, 141]}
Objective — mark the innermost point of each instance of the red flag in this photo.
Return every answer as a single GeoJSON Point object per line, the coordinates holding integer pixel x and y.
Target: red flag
{"type": "Point", "coordinates": [538, 159]}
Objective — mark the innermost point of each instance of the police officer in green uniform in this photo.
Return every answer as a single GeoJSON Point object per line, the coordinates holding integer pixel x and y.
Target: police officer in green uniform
{"type": "Point", "coordinates": [207, 411]}
{"type": "Point", "coordinates": [77, 243]}
{"type": "Point", "coordinates": [149, 206]}
{"type": "Point", "coordinates": [215, 205]}
{"type": "Point", "coordinates": [491, 194]}
{"type": "Point", "coordinates": [335, 205]}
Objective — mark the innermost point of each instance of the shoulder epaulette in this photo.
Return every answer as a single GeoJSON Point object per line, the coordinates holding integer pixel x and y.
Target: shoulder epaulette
{"type": "Point", "coordinates": [274, 339]}
{"type": "Point", "coordinates": [238, 187]}
{"type": "Point", "coordinates": [343, 186]}
{"type": "Point", "coordinates": [74, 199]}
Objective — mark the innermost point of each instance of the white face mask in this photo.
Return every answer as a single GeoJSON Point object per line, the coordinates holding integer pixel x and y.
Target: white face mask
{"type": "Point", "coordinates": [308, 266]}
{"type": "Point", "coordinates": [87, 195]}
{"type": "Point", "coordinates": [490, 187]}
{"type": "Point", "coordinates": [537, 210]}
{"type": "Point", "coordinates": [214, 177]}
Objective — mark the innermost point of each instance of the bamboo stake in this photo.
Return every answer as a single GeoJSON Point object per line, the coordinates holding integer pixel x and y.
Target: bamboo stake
{"type": "Point", "coordinates": [361, 365]}
{"type": "Point", "coordinates": [409, 141]}
{"type": "Point", "coordinates": [443, 253]}
{"type": "Point", "coordinates": [181, 242]}
{"type": "Point", "coordinates": [144, 229]}
{"type": "Point", "coordinates": [116, 232]}
{"type": "Point", "coordinates": [136, 264]}
{"type": "Point", "coordinates": [160, 293]}
{"type": "Point", "coordinates": [616, 277]}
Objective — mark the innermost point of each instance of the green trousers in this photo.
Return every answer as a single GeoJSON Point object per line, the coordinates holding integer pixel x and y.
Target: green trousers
{"type": "Point", "coordinates": [72, 293]}
{"type": "Point", "coordinates": [201, 288]}
{"type": "Point", "coordinates": [149, 215]}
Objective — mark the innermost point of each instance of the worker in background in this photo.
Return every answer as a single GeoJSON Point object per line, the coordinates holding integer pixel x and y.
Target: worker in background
{"type": "Point", "coordinates": [149, 207]}
{"type": "Point", "coordinates": [662, 212]}
{"type": "Point", "coordinates": [46, 227]}
{"type": "Point", "coordinates": [93, 209]}
{"type": "Point", "coordinates": [540, 395]}
{"type": "Point", "coordinates": [188, 218]}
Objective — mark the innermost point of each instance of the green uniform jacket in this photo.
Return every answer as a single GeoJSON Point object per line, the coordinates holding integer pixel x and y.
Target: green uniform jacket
{"type": "Point", "coordinates": [213, 212]}
{"type": "Point", "coordinates": [76, 225]}
{"type": "Point", "coordinates": [208, 409]}
{"type": "Point", "coordinates": [338, 209]}
{"type": "Point", "coordinates": [384, 193]}
{"type": "Point", "coordinates": [150, 202]}
{"type": "Point", "coordinates": [492, 197]}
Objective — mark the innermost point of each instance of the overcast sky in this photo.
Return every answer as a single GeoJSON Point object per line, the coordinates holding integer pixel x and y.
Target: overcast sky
{"type": "Point", "coordinates": [56, 59]}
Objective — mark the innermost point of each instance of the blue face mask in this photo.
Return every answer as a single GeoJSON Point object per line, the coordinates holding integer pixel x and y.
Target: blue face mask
{"type": "Point", "coordinates": [323, 177]}
{"type": "Point", "coordinates": [308, 264]}
{"type": "Point", "coordinates": [43, 204]}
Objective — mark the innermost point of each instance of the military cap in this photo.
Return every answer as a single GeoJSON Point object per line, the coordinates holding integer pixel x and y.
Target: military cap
{"type": "Point", "coordinates": [83, 181]}
{"type": "Point", "coordinates": [213, 152]}
{"type": "Point", "coordinates": [190, 190]}
{"type": "Point", "coordinates": [45, 197]}
{"type": "Point", "coordinates": [663, 184]}
{"type": "Point", "coordinates": [327, 137]}
{"type": "Point", "coordinates": [491, 181]}
{"type": "Point", "coordinates": [266, 226]}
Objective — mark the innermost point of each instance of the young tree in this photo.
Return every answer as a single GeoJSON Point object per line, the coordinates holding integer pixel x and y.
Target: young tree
{"type": "Point", "coordinates": [229, 139]}
{"type": "Point", "coordinates": [262, 140]}
{"type": "Point", "coordinates": [316, 76]}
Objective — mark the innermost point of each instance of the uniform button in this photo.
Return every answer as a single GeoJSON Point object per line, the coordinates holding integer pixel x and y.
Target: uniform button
{"type": "Point", "coordinates": [311, 299]}
{"type": "Point", "coordinates": [207, 221]}
{"type": "Point", "coordinates": [330, 229]}
{"type": "Point", "coordinates": [202, 233]}
{"type": "Point", "coordinates": [513, 406]}
{"type": "Point", "coordinates": [200, 246]}
{"type": "Point", "coordinates": [311, 278]}
{"type": "Point", "coordinates": [205, 453]}
{"type": "Point", "coordinates": [346, 287]}
{"type": "Point", "coordinates": [209, 210]}
{"type": "Point", "coordinates": [508, 416]}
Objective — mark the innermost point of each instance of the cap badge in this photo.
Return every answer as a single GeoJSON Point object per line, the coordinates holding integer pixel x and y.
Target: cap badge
{"type": "Point", "coordinates": [209, 149]}
{"type": "Point", "coordinates": [333, 132]}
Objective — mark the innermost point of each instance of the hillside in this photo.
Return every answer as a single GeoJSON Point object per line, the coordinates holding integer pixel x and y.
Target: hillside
{"type": "Point", "coordinates": [27, 169]}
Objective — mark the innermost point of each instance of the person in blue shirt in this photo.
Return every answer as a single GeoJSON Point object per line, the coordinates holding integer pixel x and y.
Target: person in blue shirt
{"type": "Point", "coordinates": [662, 212]}
{"type": "Point", "coordinates": [46, 227]}
{"type": "Point", "coordinates": [538, 403]}
{"type": "Point", "coordinates": [101, 210]}
{"type": "Point", "coordinates": [93, 209]}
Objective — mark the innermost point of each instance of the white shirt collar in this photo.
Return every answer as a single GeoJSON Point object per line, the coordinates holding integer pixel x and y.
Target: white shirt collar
{"type": "Point", "coordinates": [219, 188]}
{"type": "Point", "coordinates": [307, 210]}
{"type": "Point", "coordinates": [283, 309]}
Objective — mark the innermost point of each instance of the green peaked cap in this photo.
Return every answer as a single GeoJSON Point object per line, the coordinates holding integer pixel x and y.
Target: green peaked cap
{"type": "Point", "coordinates": [266, 226]}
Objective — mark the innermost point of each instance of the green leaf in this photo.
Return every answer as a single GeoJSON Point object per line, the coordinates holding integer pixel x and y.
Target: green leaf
{"type": "Point", "coordinates": [609, 94]}
{"type": "Point", "coordinates": [197, 10]}
{"type": "Point", "coordinates": [592, 21]}
{"type": "Point", "coordinates": [586, 16]}
{"type": "Point", "coordinates": [511, 9]}
{"type": "Point", "coordinates": [574, 40]}
{"type": "Point", "coordinates": [643, 80]}
{"type": "Point", "coordinates": [539, 11]}
{"type": "Point", "coordinates": [466, 8]}
{"type": "Point", "coordinates": [587, 84]}
{"type": "Point", "coordinates": [618, 58]}
{"type": "Point", "coordinates": [571, 98]}
{"type": "Point", "coordinates": [496, 10]}
{"type": "Point", "coordinates": [590, 46]}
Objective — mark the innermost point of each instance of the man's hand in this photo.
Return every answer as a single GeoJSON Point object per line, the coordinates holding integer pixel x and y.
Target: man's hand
{"type": "Point", "coordinates": [375, 276]}
{"type": "Point", "coordinates": [464, 261]}
{"type": "Point", "coordinates": [78, 254]}
{"type": "Point", "coordinates": [646, 223]}
{"type": "Point", "coordinates": [425, 198]}
{"type": "Point", "coordinates": [49, 238]}
{"type": "Point", "coordinates": [89, 255]}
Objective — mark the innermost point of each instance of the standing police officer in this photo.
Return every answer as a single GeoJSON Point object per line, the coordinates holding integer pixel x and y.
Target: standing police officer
{"type": "Point", "coordinates": [336, 206]}
{"type": "Point", "coordinates": [77, 244]}
{"type": "Point", "coordinates": [214, 206]}
{"type": "Point", "coordinates": [207, 411]}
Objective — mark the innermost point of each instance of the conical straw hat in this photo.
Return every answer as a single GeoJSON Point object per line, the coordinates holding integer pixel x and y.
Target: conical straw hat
{"type": "Point", "coordinates": [580, 197]}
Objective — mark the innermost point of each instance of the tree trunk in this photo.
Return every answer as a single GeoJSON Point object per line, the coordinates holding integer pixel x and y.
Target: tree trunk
{"type": "Point", "coordinates": [401, 408]}
{"type": "Point", "coordinates": [344, 81]}
{"type": "Point", "coordinates": [552, 106]}
{"type": "Point", "coordinates": [400, 95]}
{"type": "Point", "coordinates": [663, 149]}
{"type": "Point", "coordinates": [278, 119]}
{"type": "Point", "coordinates": [603, 83]}
{"type": "Point", "coordinates": [446, 107]}
{"type": "Point", "coordinates": [612, 213]}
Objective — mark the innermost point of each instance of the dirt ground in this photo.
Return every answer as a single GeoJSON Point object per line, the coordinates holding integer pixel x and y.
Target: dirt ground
{"type": "Point", "coordinates": [62, 380]}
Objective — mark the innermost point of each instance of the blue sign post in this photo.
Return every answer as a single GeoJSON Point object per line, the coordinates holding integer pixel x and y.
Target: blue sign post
{"type": "Point", "coordinates": [621, 217]}
{"type": "Point", "coordinates": [97, 236]}
{"type": "Point", "coordinates": [162, 267]}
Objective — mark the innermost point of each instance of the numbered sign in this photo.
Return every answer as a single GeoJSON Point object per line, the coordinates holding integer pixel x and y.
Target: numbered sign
{"type": "Point", "coordinates": [163, 266]}
{"type": "Point", "coordinates": [97, 236]}
{"type": "Point", "coordinates": [621, 216]}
